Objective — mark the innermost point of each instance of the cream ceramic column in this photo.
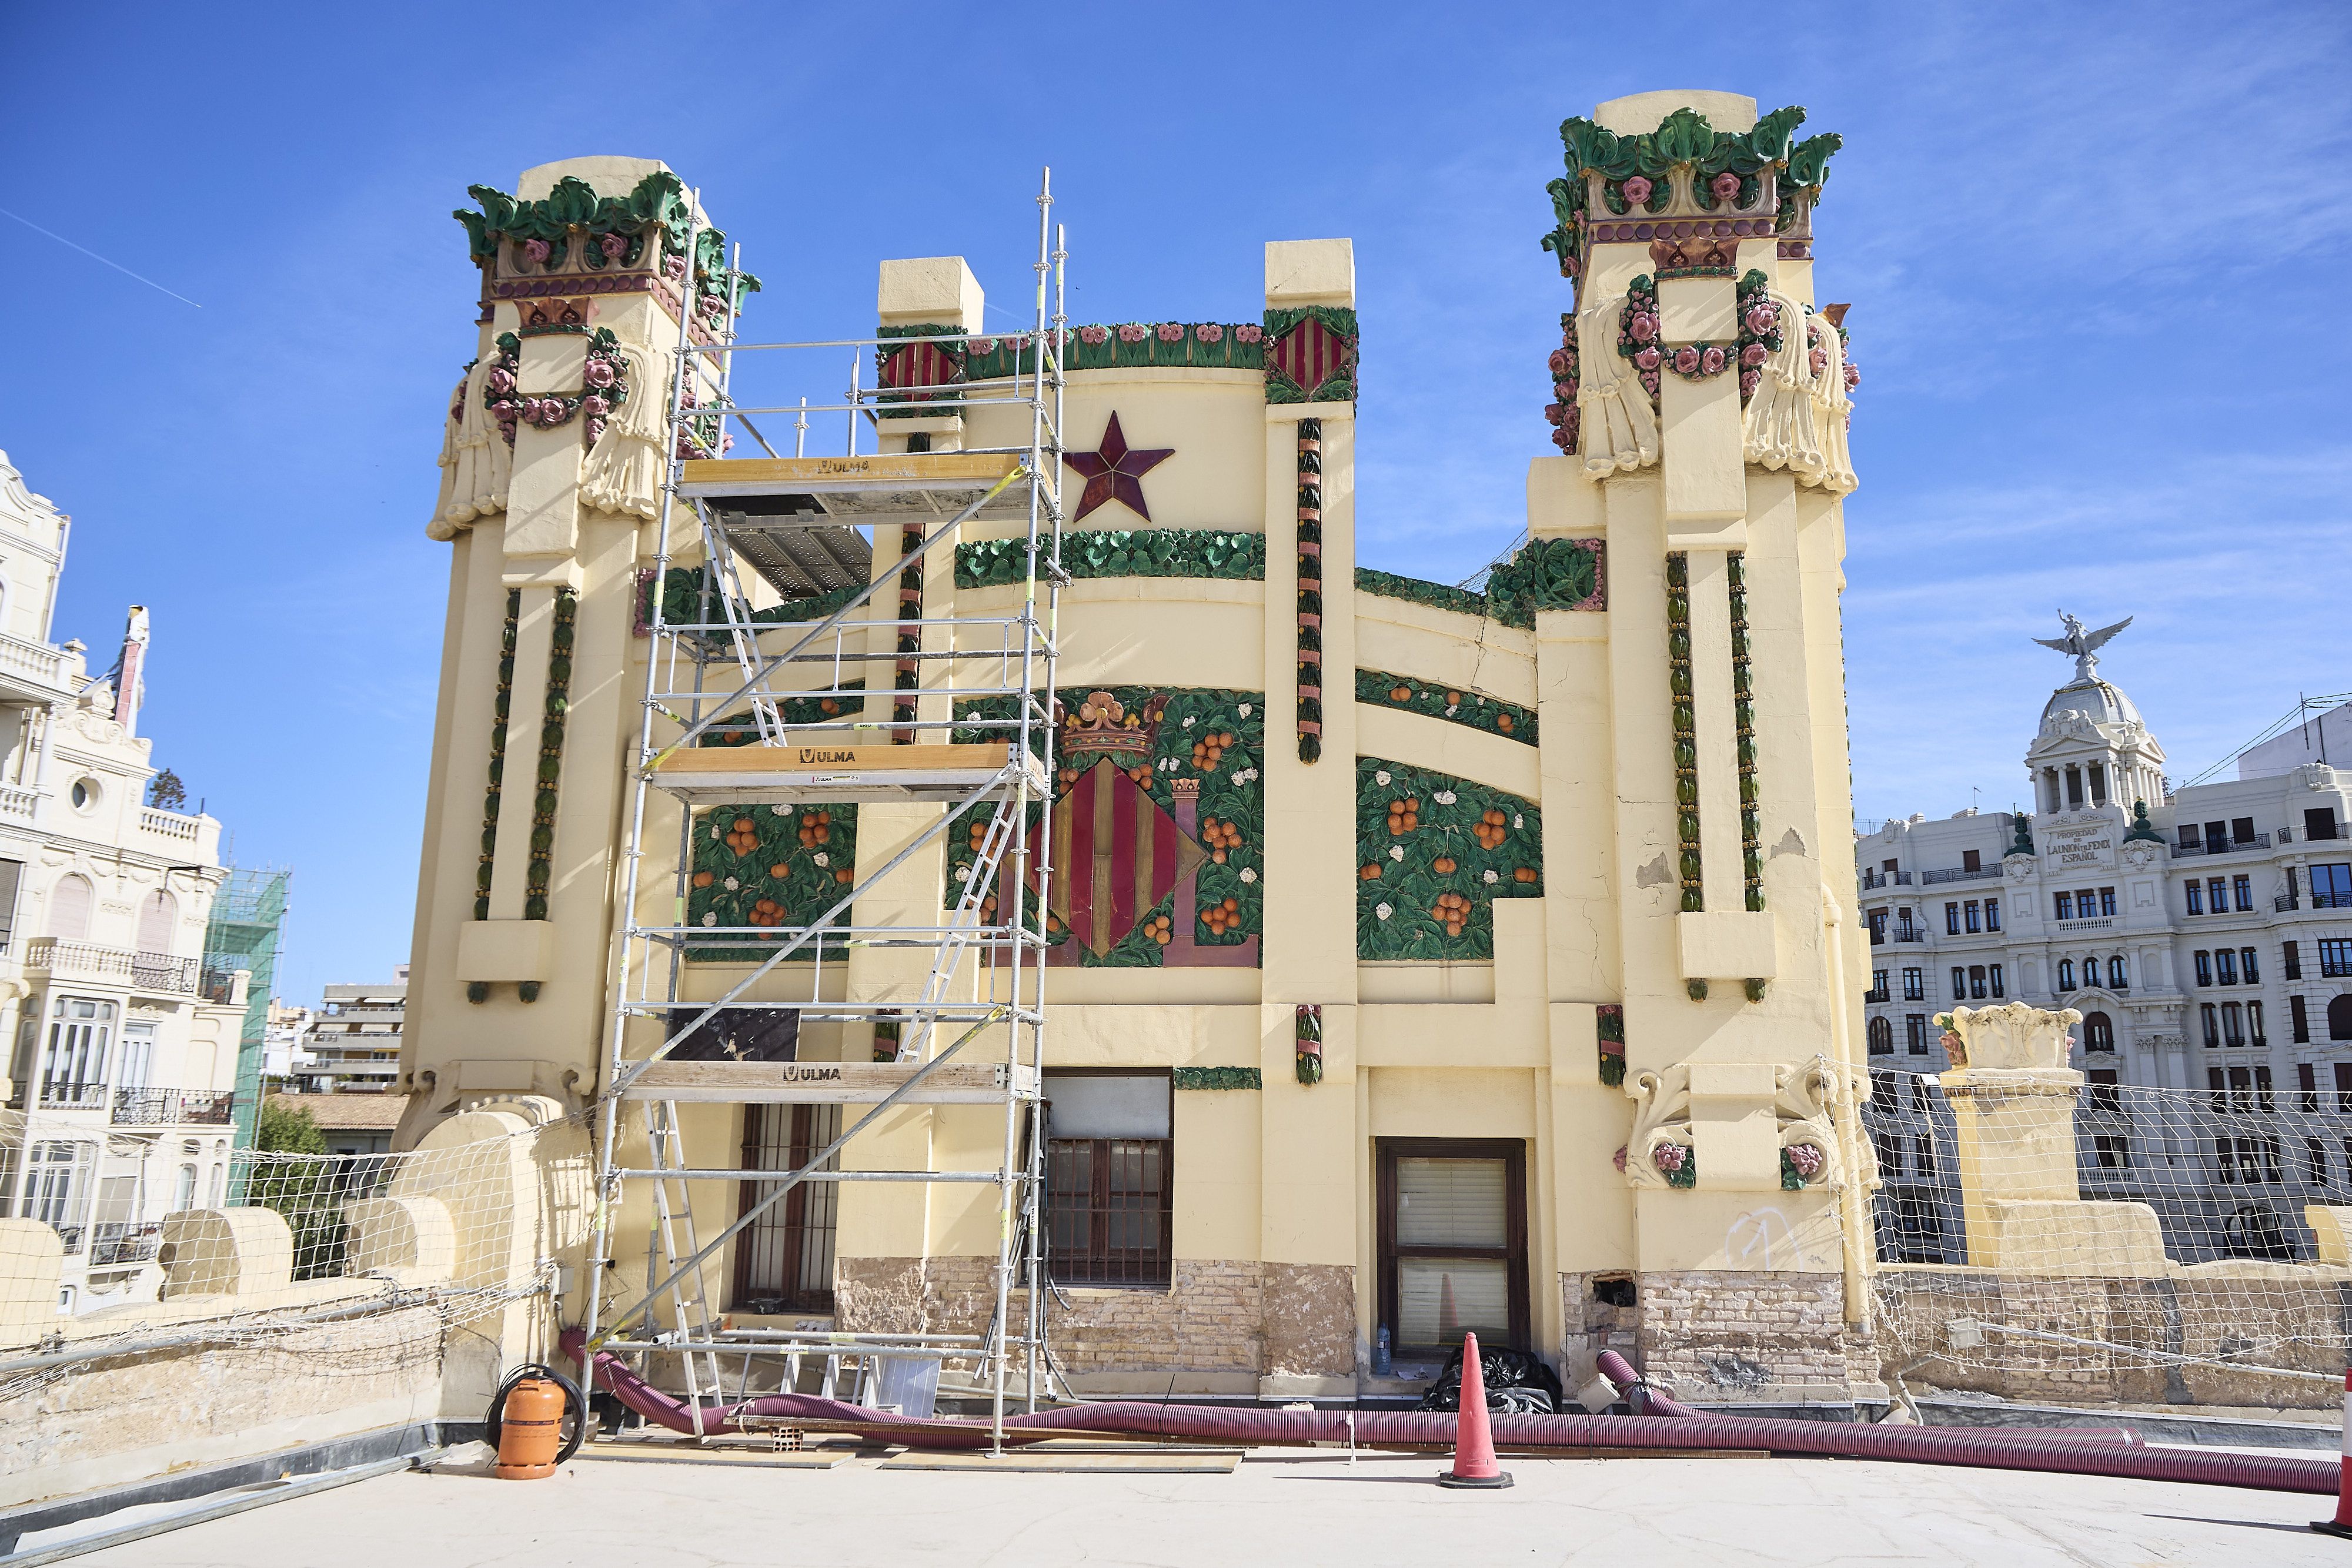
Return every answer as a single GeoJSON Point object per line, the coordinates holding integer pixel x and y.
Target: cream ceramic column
{"type": "Point", "coordinates": [887, 1227]}
{"type": "Point", "coordinates": [1312, 1142]}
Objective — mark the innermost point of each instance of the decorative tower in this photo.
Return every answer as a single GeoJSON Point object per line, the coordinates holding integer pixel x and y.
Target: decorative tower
{"type": "Point", "coordinates": [1702, 409]}
{"type": "Point", "coordinates": [550, 465]}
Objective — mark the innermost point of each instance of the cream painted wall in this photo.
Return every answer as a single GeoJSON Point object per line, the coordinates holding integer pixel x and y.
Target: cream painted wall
{"type": "Point", "coordinates": [1500, 1049]}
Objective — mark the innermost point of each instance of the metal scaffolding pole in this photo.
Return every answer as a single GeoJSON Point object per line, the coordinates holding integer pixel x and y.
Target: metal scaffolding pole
{"type": "Point", "coordinates": [994, 677]}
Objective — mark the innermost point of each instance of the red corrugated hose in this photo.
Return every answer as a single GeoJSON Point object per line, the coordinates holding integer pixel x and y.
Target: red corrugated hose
{"type": "Point", "coordinates": [2064, 1453]}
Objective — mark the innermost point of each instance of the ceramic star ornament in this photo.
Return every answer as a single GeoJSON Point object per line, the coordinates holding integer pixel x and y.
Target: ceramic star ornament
{"type": "Point", "coordinates": [1115, 472]}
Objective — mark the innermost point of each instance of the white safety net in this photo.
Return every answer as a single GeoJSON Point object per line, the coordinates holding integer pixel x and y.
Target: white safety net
{"type": "Point", "coordinates": [2044, 1238]}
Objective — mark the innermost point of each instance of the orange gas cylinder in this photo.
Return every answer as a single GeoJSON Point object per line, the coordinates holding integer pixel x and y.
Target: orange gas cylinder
{"type": "Point", "coordinates": [530, 1429]}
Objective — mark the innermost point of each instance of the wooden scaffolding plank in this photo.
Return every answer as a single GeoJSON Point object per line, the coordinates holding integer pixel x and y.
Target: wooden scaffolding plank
{"type": "Point", "coordinates": [714, 775]}
{"type": "Point", "coordinates": [945, 472]}
{"type": "Point", "coordinates": [823, 1083]}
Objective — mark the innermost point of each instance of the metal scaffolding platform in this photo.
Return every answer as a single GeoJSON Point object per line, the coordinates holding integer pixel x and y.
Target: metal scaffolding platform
{"type": "Point", "coordinates": [756, 707]}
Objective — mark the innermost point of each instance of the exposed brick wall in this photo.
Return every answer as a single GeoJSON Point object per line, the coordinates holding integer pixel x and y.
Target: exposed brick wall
{"type": "Point", "coordinates": [1592, 1325]}
{"type": "Point", "coordinates": [1724, 1333]}
{"type": "Point", "coordinates": [1220, 1315]}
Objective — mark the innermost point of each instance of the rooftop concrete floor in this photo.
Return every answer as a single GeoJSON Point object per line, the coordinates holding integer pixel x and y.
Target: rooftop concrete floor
{"type": "Point", "coordinates": [1290, 1507]}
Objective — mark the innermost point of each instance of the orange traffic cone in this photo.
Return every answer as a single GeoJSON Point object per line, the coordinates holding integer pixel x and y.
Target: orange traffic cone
{"type": "Point", "coordinates": [1474, 1436]}
{"type": "Point", "coordinates": [2342, 1524]}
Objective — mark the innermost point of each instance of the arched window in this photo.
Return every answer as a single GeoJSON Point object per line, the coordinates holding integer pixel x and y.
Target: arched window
{"type": "Point", "coordinates": [69, 908]}
{"type": "Point", "coordinates": [159, 917]}
{"type": "Point", "coordinates": [184, 1195]}
{"type": "Point", "coordinates": [2339, 1017]}
{"type": "Point", "coordinates": [2066, 974]}
{"type": "Point", "coordinates": [1882, 1037]}
{"type": "Point", "coordinates": [2118, 977]}
{"type": "Point", "coordinates": [2098, 1032]}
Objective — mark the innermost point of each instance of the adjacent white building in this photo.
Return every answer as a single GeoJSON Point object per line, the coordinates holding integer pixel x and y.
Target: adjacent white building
{"type": "Point", "coordinates": [283, 1050]}
{"type": "Point", "coordinates": [353, 1044]}
{"type": "Point", "coordinates": [120, 1081]}
{"type": "Point", "coordinates": [2206, 943]}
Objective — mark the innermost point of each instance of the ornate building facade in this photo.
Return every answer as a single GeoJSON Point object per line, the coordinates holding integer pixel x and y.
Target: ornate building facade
{"type": "Point", "coordinates": [2205, 935]}
{"type": "Point", "coordinates": [1423, 959]}
{"type": "Point", "coordinates": [121, 1079]}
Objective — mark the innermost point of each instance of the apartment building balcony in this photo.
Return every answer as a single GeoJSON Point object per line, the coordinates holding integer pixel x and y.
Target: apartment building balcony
{"type": "Point", "coordinates": [171, 825]}
{"type": "Point", "coordinates": [2235, 846]}
{"type": "Point", "coordinates": [1960, 874]}
{"type": "Point", "coordinates": [112, 1244]}
{"type": "Point", "coordinates": [70, 1096]}
{"type": "Point", "coordinates": [155, 973]}
{"type": "Point", "coordinates": [1871, 879]}
{"type": "Point", "coordinates": [1913, 936]}
{"type": "Point", "coordinates": [172, 1107]}
{"type": "Point", "coordinates": [19, 805]}
{"type": "Point", "coordinates": [34, 668]}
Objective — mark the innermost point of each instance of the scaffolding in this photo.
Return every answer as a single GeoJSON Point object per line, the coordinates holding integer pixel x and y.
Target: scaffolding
{"type": "Point", "coordinates": [245, 932]}
{"type": "Point", "coordinates": [744, 712]}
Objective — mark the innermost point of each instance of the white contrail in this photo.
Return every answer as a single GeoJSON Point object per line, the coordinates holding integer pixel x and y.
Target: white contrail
{"type": "Point", "coordinates": [95, 256]}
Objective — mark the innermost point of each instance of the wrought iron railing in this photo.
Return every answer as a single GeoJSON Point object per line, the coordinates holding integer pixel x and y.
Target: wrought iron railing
{"type": "Point", "coordinates": [167, 1107]}
{"type": "Point", "coordinates": [123, 1243]}
{"type": "Point", "coordinates": [158, 972]}
{"type": "Point", "coordinates": [2259, 841]}
{"type": "Point", "coordinates": [73, 1096]}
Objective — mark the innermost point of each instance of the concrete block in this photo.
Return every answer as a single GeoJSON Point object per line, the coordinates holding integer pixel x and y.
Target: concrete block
{"type": "Point", "coordinates": [2332, 1223]}
{"type": "Point", "coordinates": [1310, 272]}
{"type": "Point", "coordinates": [413, 1240]}
{"type": "Point", "coordinates": [932, 291]}
{"type": "Point", "coordinates": [1641, 111]}
{"type": "Point", "coordinates": [225, 1253]}
{"type": "Point", "coordinates": [32, 1255]}
{"type": "Point", "coordinates": [2063, 1237]}
{"type": "Point", "coordinates": [1726, 944]}
{"type": "Point", "coordinates": [1563, 500]}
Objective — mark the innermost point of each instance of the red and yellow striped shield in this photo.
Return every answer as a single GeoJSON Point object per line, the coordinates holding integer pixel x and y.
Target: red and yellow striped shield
{"type": "Point", "coordinates": [1115, 854]}
{"type": "Point", "coordinates": [1311, 353]}
{"type": "Point", "coordinates": [921, 364]}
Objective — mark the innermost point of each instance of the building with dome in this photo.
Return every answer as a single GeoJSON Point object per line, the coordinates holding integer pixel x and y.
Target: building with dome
{"type": "Point", "coordinates": [2205, 935]}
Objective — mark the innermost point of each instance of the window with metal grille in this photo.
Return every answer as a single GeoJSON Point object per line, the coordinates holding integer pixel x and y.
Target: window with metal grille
{"type": "Point", "coordinates": [1108, 1188]}
{"type": "Point", "coordinates": [1453, 1242]}
{"type": "Point", "coordinates": [783, 1260]}
{"type": "Point", "coordinates": [1107, 1212]}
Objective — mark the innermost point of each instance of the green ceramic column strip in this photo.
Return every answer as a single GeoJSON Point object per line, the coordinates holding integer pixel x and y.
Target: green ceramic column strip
{"type": "Point", "coordinates": [1686, 738]}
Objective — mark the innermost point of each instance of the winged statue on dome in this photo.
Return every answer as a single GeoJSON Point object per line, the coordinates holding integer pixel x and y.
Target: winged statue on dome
{"type": "Point", "coordinates": [2083, 643]}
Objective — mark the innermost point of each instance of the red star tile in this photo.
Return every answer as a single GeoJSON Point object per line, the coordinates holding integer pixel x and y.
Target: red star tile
{"type": "Point", "coordinates": [1114, 473]}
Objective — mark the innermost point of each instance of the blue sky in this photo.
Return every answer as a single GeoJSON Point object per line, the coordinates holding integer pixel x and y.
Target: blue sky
{"type": "Point", "coordinates": [2096, 253]}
